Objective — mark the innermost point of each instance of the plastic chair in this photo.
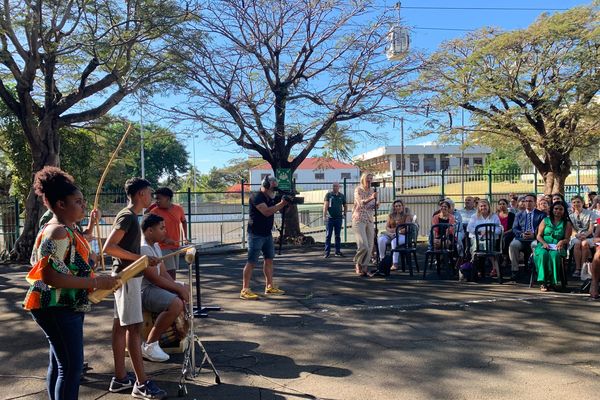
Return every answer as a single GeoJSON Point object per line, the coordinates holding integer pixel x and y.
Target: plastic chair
{"type": "Point", "coordinates": [444, 252]}
{"type": "Point", "coordinates": [409, 247]}
{"type": "Point", "coordinates": [489, 245]}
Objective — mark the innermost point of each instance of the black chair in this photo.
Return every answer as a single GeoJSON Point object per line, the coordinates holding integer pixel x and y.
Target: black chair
{"type": "Point", "coordinates": [489, 245]}
{"type": "Point", "coordinates": [444, 252]}
{"type": "Point", "coordinates": [411, 233]}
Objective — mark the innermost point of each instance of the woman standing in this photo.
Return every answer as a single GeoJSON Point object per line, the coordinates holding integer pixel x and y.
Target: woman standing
{"type": "Point", "coordinates": [365, 201]}
{"type": "Point", "coordinates": [553, 238]}
{"type": "Point", "coordinates": [397, 217]}
{"type": "Point", "coordinates": [60, 280]}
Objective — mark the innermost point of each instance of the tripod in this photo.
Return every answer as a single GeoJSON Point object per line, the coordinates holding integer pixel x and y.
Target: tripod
{"type": "Point", "coordinates": [377, 272]}
{"type": "Point", "coordinates": [200, 312]}
{"type": "Point", "coordinates": [189, 369]}
{"type": "Point", "coordinates": [281, 229]}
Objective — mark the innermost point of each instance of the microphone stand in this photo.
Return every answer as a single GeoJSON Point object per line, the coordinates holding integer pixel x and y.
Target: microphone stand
{"type": "Point", "coordinates": [281, 229]}
{"type": "Point", "coordinates": [376, 230]}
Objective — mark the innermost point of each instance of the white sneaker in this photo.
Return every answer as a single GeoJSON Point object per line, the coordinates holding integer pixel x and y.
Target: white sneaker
{"type": "Point", "coordinates": [153, 352]}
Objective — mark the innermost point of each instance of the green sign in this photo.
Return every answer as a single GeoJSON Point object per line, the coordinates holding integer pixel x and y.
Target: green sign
{"type": "Point", "coordinates": [284, 178]}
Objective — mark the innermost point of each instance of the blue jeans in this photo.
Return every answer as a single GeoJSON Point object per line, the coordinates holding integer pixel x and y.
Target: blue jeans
{"type": "Point", "coordinates": [260, 244]}
{"type": "Point", "coordinates": [64, 330]}
{"type": "Point", "coordinates": [333, 225]}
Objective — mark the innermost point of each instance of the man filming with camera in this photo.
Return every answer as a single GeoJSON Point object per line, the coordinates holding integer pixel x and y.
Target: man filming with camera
{"type": "Point", "coordinates": [263, 207]}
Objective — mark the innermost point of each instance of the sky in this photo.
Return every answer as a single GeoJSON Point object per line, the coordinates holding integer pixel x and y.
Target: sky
{"type": "Point", "coordinates": [431, 22]}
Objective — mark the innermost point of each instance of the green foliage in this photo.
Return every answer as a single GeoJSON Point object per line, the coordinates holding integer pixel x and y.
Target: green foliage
{"type": "Point", "coordinates": [503, 165]}
{"type": "Point", "coordinates": [338, 143]}
{"type": "Point", "coordinates": [534, 86]}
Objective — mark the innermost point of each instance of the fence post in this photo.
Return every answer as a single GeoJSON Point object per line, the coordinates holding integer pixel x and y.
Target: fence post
{"type": "Point", "coordinates": [17, 220]}
{"type": "Point", "coordinates": [394, 183]}
{"type": "Point", "coordinates": [490, 177]}
{"type": "Point", "coordinates": [189, 201]}
{"type": "Point", "coordinates": [535, 181]}
{"type": "Point", "coordinates": [243, 217]}
{"type": "Point", "coordinates": [598, 176]}
{"type": "Point", "coordinates": [578, 179]}
{"type": "Point", "coordinates": [345, 216]}
{"type": "Point", "coordinates": [443, 184]}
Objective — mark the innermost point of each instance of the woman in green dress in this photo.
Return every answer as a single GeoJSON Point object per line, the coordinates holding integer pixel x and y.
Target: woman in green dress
{"type": "Point", "coordinates": [553, 238]}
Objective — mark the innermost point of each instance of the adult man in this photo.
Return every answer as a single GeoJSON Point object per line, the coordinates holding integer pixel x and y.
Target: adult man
{"type": "Point", "coordinates": [334, 213]}
{"type": "Point", "coordinates": [123, 244]}
{"type": "Point", "coordinates": [525, 230]}
{"type": "Point", "coordinates": [468, 211]}
{"type": "Point", "coordinates": [160, 293]}
{"type": "Point", "coordinates": [583, 226]}
{"type": "Point", "coordinates": [174, 217]}
{"type": "Point", "coordinates": [260, 238]}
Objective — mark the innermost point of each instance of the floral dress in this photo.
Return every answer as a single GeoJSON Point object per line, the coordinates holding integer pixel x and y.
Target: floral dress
{"type": "Point", "coordinates": [363, 212]}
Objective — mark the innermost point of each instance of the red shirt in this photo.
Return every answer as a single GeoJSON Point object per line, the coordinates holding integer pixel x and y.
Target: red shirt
{"type": "Point", "coordinates": [174, 216]}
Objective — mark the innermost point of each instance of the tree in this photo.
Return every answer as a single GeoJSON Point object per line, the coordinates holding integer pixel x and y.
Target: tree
{"type": "Point", "coordinates": [535, 86]}
{"type": "Point", "coordinates": [255, 68]}
{"type": "Point", "coordinates": [338, 143]}
{"type": "Point", "coordinates": [67, 62]}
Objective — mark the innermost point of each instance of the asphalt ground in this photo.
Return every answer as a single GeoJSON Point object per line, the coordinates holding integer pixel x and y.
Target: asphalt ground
{"type": "Point", "coordinates": [338, 336]}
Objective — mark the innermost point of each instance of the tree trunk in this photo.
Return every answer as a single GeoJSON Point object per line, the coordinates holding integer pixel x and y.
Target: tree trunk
{"type": "Point", "coordinates": [554, 182]}
{"type": "Point", "coordinates": [292, 222]}
{"type": "Point", "coordinates": [47, 153]}
{"type": "Point", "coordinates": [554, 171]}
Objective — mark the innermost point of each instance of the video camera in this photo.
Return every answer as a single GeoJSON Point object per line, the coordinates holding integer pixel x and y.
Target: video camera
{"type": "Point", "coordinates": [289, 196]}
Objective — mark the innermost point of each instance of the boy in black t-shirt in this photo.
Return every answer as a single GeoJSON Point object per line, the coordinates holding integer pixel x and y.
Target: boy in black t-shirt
{"type": "Point", "coordinates": [123, 244]}
{"type": "Point", "coordinates": [260, 238]}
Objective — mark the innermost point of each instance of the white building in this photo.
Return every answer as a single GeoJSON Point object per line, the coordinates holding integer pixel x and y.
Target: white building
{"type": "Point", "coordinates": [311, 172]}
{"type": "Point", "coordinates": [422, 159]}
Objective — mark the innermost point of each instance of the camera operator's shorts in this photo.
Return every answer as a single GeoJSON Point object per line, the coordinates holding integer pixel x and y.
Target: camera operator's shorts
{"type": "Point", "coordinates": [258, 244]}
{"type": "Point", "coordinates": [155, 299]}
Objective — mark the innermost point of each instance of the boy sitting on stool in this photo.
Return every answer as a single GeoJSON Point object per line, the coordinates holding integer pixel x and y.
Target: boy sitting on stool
{"type": "Point", "coordinates": [160, 293]}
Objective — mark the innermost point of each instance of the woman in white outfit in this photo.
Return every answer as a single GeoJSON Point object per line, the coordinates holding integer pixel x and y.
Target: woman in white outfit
{"type": "Point", "coordinates": [399, 215]}
{"type": "Point", "coordinates": [484, 215]}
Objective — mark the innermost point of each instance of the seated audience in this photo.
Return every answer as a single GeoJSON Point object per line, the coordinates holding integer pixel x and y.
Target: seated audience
{"type": "Point", "coordinates": [514, 203]}
{"type": "Point", "coordinates": [399, 215]}
{"type": "Point", "coordinates": [444, 216]}
{"type": "Point", "coordinates": [160, 293]}
{"type": "Point", "coordinates": [591, 196]}
{"type": "Point", "coordinates": [522, 205]}
{"type": "Point", "coordinates": [583, 227]}
{"type": "Point", "coordinates": [595, 208]}
{"type": "Point", "coordinates": [543, 205]}
{"type": "Point", "coordinates": [468, 211]}
{"type": "Point", "coordinates": [507, 219]}
{"type": "Point", "coordinates": [524, 230]}
{"type": "Point", "coordinates": [553, 238]}
{"type": "Point", "coordinates": [484, 215]}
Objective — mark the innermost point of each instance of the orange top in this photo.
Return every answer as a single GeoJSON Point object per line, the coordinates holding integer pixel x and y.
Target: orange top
{"type": "Point", "coordinates": [174, 216]}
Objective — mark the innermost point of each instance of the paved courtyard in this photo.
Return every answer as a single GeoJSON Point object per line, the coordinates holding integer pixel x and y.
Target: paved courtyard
{"type": "Point", "coordinates": [338, 336]}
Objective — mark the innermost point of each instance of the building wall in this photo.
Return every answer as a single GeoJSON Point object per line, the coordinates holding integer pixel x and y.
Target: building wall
{"type": "Point", "coordinates": [307, 176]}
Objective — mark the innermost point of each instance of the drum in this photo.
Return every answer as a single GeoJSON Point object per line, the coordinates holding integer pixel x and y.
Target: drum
{"type": "Point", "coordinates": [171, 341]}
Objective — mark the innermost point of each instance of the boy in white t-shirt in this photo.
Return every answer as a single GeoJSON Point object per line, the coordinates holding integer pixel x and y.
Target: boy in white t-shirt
{"type": "Point", "coordinates": [160, 293]}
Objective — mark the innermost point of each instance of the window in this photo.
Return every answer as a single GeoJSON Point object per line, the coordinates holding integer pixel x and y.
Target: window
{"type": "Point", "coordinates": [345, 175]}
{"type": "Point", "coordinates": [466, 162]}
{"type": "Point", "coordinates": [400, 164]}
{"type": "Point", "coordinates": [478, 161]}
{"type": "Point", "coordinates": [414, 163]}
{"type": "Point", "coordinates": [444, 162]}
{"type": "Point", "coordinates": [319, 176]}
{"type": "Point", "coordinates": [263, 176]}
{"type": "Point", "coordinates": [429, 163]}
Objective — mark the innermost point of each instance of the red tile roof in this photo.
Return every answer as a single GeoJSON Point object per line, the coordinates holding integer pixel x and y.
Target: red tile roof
{"type": "Point", "coordinates": [313, 163]}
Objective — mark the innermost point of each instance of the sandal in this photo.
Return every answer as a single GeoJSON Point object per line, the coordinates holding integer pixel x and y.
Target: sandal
{"type": "Point", "coordinates": [358, 269]}
{"type": "Point", "coordinates": [394, 267]}
{"type": "Point", "coordinates": [543, 288]}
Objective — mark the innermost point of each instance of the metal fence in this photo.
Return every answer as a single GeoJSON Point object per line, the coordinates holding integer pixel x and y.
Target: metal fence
{"type": "Point", "coordinates": [219, 218]}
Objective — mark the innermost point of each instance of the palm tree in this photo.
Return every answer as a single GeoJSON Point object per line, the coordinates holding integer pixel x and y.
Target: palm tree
{"type": "Point", "coordinates": [338, 143]}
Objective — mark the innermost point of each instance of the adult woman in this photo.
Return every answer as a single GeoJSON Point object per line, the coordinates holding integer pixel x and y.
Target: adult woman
{"type": "Point", "coordinates": [553, 238]}
{"type": "Point", "coordinates": [60, 279]}
{"type": "Point", "coordinates": [444, 216]}
{"type": "Point", "coordinates": [595, 208]}
{"type": "Point", "coordinates": [543, 205]}
{"type": "Point", "coordinates": [484, 215]}
{"type": "Point", "coordinates": [398, 216]}
{"type": "Point", "coordinates": [365, 200]}
{"type": "Point", "coordinates": [507, 219]}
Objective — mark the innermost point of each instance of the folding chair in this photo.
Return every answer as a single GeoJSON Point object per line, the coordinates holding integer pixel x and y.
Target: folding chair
{"type": "Point", "coordinates": [446, 250]}
{"type": "Point", "coordinates": [488, 245]}
{"type": "Point", "coordinates": [409, 247]}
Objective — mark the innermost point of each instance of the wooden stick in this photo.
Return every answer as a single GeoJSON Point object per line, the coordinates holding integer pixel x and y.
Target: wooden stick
{"type": "Point", "coordinates": [99, 189]}
{"type": "Point", "coordinates": [177, 252]}
{"type": "Point", "coordinates": [129, 272]}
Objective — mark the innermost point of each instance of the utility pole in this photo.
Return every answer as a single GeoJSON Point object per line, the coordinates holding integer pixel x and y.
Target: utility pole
{"type": "Point", "coordinates": [402, 155]}
{"type": "Point", "coordinates": [142, 164]}
{"type": "Point", "coordinates": [462, 156]}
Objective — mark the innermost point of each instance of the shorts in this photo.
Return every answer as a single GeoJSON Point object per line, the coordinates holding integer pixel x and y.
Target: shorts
{"type": "Point", "coordinates": [128, 302]}
{"type": "Point", "coordinates": [155, 299]}
{"type": "Point", "coordinates": [258, 244]}
{"type": "Point", "coordinates": [172, 262]}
